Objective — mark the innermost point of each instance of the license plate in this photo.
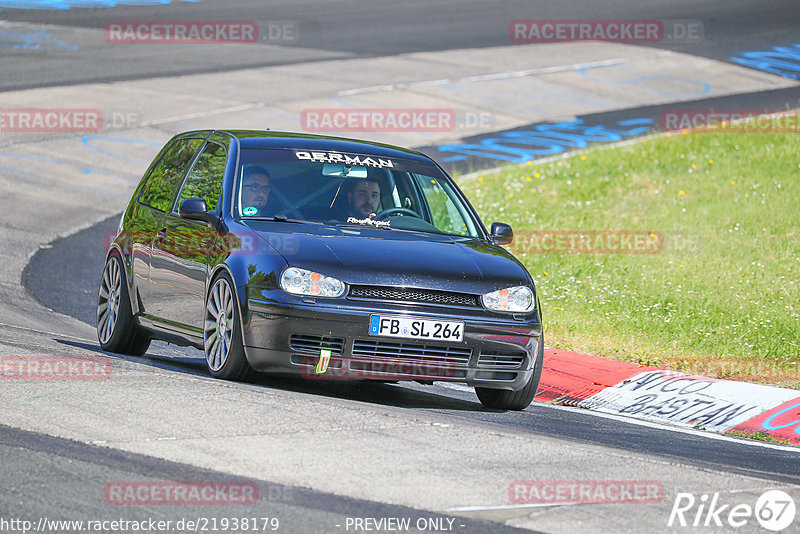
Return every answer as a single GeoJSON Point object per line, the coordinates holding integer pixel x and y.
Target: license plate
{"type": "Point", "coordinates": [415, 328]}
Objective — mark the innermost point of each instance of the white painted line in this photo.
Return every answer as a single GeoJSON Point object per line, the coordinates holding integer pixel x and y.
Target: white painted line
{"type": "Point", "coordinates": [551, 504]}
{"type": "Point", "coordinates": [513, 506]}
{"type": "Point", "coordinates": [499, 75]}
{"type": "Point", "coordinates": [202, 114]}
{"type": "Point", "coordinates": [45, 332]}
{"type": "Point", "coordinates": [426, 83]}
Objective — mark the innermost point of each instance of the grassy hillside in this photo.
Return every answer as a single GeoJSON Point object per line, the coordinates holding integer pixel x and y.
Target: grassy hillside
{"type": "Point", "coordinates": [717, 294]}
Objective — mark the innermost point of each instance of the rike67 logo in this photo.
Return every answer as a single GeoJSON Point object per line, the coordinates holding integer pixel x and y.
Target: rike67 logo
{"type": "Point", "coordinates": [774, 510]}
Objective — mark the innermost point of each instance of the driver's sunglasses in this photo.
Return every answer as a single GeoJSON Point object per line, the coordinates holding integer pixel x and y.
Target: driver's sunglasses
{"type": "Point", "coordinates": [258, 188]}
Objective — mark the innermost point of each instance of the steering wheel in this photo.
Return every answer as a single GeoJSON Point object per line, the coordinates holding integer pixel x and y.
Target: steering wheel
{"type": "Point", "coordinates": [396, 211]}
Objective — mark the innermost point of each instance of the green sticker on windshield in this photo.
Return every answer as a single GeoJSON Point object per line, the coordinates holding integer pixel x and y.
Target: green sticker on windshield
{"type": "Point", "coordinates": [249, 210]}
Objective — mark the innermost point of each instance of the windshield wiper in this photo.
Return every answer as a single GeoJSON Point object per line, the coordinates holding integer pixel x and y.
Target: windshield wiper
{"type": "Point", "coordinates": [279, 218]}
{"type": "Point", "coordinates": [361, 225]}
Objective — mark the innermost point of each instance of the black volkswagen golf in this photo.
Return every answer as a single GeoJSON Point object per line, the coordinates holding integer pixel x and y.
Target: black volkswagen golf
{"type": "Point", "coordinates": [325, 257]}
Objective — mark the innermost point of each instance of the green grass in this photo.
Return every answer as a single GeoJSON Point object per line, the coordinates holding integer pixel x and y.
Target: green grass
{"type": "Point", "coordinates": [721, 298]}
{"type": "Point", "coordinates": [758, 436]}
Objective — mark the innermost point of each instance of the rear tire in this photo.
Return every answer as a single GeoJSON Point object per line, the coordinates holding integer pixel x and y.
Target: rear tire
{"type": "Point", "coordinates": [502, 399]}
{"type": "Point", "coordinates": [222, 332]}
{"type": "Point", "coordinates": [117, 328]}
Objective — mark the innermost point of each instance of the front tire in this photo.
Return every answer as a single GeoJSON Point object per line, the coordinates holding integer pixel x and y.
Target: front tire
{"type": "Point", "coordinates": [117, 329]}
{"type": "Point", "coordinates": [502, 399]}
{"type": "Point", "coordinates": [222, 332]}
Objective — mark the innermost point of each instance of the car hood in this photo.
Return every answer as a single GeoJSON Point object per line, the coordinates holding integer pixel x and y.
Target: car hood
{"type": "Point", "coordinates": [397, 258]}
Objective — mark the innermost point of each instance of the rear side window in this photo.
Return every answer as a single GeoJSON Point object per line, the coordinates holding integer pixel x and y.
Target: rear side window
{"type": "Point", "coordinates": [163, 182]}
{"type": "Point", "coordinates": [205, 180]}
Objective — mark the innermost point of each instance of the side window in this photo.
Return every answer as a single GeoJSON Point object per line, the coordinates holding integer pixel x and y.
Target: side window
{"type": "Point", "coordinates": [446, 215]}
{"type": "Point", "coordinates": [163, 182]}
{"type": "Point", "coordinates": [205, 180]}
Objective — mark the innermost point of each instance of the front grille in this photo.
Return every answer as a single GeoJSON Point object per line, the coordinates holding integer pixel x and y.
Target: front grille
{"type": "Point", "coordinates": [492, 359]}
{"type": "Point", "coordinates": [426, 296]}
{"type": "Point", "coordinates": [410, 352]}
{"type": "Point", "coordinates": [384, 369]}
{"type": "Point", "coordinates": [314, 344]}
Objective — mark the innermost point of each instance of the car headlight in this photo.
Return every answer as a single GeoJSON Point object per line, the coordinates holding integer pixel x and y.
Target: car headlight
{"type": "Point", "coordinates": [512, 299]}
{"type": "Point", "coordinates": [303, 282]}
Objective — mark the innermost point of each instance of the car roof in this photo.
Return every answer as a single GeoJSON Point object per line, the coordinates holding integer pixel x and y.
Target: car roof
{"type": "Point", "coordinates": [305, 141]}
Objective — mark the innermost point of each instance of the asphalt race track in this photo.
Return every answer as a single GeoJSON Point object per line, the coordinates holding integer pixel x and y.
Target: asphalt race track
{"type": "Point", "coordinates": [76, 256]}
{"type": "Point", "coordinates": [30, 459]}
{"type": "Point", "coordinates": [324, 453]}
{"type": "Point", "coordinates": [386, 28]}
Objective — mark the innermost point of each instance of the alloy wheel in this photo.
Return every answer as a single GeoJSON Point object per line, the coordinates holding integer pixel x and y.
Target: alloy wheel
{"type": "Point", "coordinates": [108, 302]}
{"type": "Point", "coordinates": [218, 324]}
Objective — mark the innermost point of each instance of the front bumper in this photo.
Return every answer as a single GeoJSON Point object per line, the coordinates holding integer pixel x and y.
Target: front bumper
{"type": "Point", "coordinates": [496, 352]}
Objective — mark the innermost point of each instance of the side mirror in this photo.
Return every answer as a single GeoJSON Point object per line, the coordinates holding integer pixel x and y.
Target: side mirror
{"type": "Point", "coordinates": [195, 209]}
{"type": "Point", "coordinates": [502, 234]}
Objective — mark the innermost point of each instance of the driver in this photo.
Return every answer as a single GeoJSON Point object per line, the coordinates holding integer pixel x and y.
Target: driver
{"type": "Point", "coordinates": [255, 188]}
{"type": "Point", "coordinates": [364, 199]}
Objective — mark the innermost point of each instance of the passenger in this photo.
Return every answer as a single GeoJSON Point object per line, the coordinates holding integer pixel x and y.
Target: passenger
{"type": "Point", "coordinates": [255, 190]}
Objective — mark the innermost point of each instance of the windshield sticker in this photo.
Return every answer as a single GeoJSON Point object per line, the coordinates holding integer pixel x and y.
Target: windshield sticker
{"type": "Point", "coordinates": [249, 210]}
{"type": "Point", "coordinates": [369, 222]}
{"type": "Point", "coordinates": [335, 157]}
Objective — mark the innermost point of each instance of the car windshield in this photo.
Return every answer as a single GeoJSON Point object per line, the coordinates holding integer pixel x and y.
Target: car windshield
{"type": "Point", "coordinates": [350, 189]}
